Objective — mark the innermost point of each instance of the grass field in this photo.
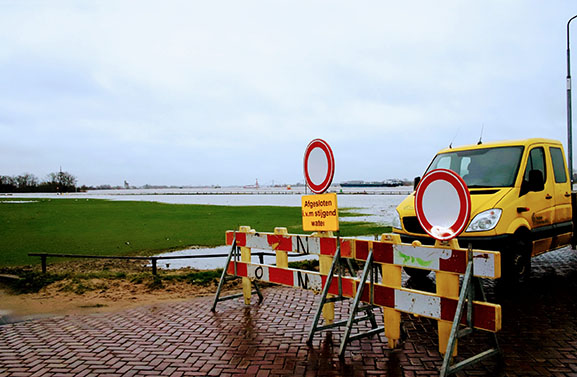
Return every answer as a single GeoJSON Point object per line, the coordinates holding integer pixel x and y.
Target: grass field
{"type": "Point", "coordinates": [101, 227]}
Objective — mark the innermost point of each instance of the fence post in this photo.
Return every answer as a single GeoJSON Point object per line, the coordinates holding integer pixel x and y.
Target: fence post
{"type": "Point", "coordinates": [153, 260]}
{"type": "Point", "coordinates": [43, 258]}
{"type": "Point", "coordinates": [281, 256]}
{"type": "Point", "coordinates": [447, 286]}
{"type": "Point", "coordinates": [392, 277]}
{"type": "Point", "coordinates": [245, 257]}
{"type": "Point", "coordinates": [325, 263]}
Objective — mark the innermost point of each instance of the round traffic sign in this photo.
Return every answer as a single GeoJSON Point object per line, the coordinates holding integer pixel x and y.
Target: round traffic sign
{"type": "Point", "coordinates": [319, 166]}
{"type": "Point", "coordinates": [443, 204]}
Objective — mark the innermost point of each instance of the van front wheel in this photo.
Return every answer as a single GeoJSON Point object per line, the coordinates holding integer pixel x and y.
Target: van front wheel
{"type": "Point", "coordinates": [517, 260]}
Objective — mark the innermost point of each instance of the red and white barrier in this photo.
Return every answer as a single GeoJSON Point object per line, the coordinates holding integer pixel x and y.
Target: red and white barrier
{"type": "Point", "coordinates": [486, 263]}
{"type": "Point", "coordinates": [487, 316]}
{"type": "Point", "coordinates": [302, 244]}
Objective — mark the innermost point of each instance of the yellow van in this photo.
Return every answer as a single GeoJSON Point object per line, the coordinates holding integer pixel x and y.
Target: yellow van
{"type": "Point", "coordinates": [520, 196]}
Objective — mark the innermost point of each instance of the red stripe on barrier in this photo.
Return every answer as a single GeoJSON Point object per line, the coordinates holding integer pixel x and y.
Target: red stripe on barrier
{"type": "Point", "coordinates": [279, 242]}
{"type": "Point", "coordinates": [241, 269]}
{"type": "Point", "coordinates": [456, 263]}
{"type": "Point", "coordinates": [347, 248]}
{"type": "Point", "coordinates": [361, 250]}
{"type": "Point", "coordinates": [448, 309]}
{"type": "Point", "coordinates": [281, 276]}
{"type": "Point", "coordinates": [383, 296]}
{"type": "Point", "coordinates": [229, 238]}
{"type": "Point", "coordinates": [484, 316]}
{"type": "Point", "coordinates": [383, 252]}
{"type": "Point", "coordinates": [240, 239]}
{"type": "Point", "coordinates": [349, 287]}
{"type": "Point", "coordinates": [347, 284]}
{"type": "Point", "coordinates": [328, 246]}
{"type": "Point", "coordinates": [230, 268]}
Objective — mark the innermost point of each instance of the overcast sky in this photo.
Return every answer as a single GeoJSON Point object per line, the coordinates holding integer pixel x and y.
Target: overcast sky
{"type": "Point", "coordinates": [224, 92]}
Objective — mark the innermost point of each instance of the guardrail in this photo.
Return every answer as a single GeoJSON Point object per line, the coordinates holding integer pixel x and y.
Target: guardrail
{"type": "Point", "coordinates": [152, 259]}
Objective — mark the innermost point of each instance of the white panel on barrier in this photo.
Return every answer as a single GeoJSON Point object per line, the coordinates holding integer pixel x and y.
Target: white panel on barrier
{"type": "Point", "coordinates": [417, 303]}
{"type": "Point", "coordinates": [306, 244]}
{"type": "Point", "coordinates": [257, 241]}
{"type": "Point", "coordinates": [484, 264]}
{"type": "Point", "coordinates": [306, 280]}
{"type": "Point", "coordinates": [422, 257]}
{"type": "Point", "coordinates": [255, 271]}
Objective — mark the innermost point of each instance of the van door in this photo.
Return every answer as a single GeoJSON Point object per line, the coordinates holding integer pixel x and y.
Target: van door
{"type": "Point", "coordinates": [562, 220]}
{"type": "Point", "coordinates": [541, 203]}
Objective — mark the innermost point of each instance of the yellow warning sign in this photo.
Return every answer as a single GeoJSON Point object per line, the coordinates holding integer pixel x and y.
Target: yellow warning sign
{"type": "Point", "coordinates": [320, 213]}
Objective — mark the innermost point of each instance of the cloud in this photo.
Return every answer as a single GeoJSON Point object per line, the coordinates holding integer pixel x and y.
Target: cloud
{"type": "Point", "coordinates": [182, 92]}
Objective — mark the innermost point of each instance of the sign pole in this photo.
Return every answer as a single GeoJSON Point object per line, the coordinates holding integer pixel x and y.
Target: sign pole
{"type": "Point", "coordinates": [443, 207]}
{"type": "Point", "coordinates": [320, 212]}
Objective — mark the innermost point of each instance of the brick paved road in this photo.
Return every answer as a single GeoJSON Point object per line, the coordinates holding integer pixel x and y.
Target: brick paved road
{"type": "Point", "coordinates": [539, 338]}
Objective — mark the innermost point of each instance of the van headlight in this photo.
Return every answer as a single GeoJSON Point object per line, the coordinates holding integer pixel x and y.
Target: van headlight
{"type": "Point", "coordinates": [485, 220]}
{"type": "Point", "coordinates": [397, 221]}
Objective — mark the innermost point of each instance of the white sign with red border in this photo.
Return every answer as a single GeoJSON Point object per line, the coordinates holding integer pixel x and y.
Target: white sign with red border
{"type": "Point", "coordinates": [319, 166]}
{"type": "Point", "coordinates": [443, 204]}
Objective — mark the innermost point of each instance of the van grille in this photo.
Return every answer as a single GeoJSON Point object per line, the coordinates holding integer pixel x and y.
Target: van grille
{"type": "Point", "coordinates": [411, 224]}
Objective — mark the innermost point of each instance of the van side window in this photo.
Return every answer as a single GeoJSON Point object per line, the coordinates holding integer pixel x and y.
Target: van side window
{"type": "Point", "coordinates": [536, 161]}
{"type": "Point", "coordinates": [558, 165]}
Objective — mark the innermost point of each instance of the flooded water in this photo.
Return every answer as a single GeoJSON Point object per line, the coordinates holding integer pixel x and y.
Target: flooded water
{"type": "Point", "coordinates": [376, 204]}
{"type": "Point", "coordinates": [217, 261]}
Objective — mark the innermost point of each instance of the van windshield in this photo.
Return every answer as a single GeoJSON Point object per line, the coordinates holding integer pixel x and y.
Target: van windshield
{"type": "Point", "coordinates": [487, 167]}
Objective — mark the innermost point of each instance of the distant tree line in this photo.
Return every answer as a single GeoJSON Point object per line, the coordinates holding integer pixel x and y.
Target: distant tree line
{"type": "Point", "coordinates": [55, 182]}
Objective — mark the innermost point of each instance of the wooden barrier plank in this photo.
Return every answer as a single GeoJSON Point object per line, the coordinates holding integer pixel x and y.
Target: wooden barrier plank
{"type": "Point", "coordinates": [487, 264]}
{"type": "Point", "coordinates": [486, 316]}
{"type": "Point", "coordinates": [298, 243]}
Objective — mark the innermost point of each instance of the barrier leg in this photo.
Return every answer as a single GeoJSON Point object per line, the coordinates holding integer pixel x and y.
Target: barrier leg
{"type": "Point", "coordinates": [281, 256]}
{"type": "Point", "coordinates": [392, 317]}
{"type": "Point", "coordinates": [223, 275]}
{"type": "Point", "coordinates": [325, 264]}
{"type": "Point", "coordinates": [392, 277]}
{"type": "Point", "coordinates": [447, 286]}
{"type": "Point", "coordinates": [245, 257]}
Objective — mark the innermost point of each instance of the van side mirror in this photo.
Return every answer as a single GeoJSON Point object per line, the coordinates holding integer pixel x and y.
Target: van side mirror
{"type": "Point", "coordinates": [535, 183]}
{"type": "Point", "coordinates": [416, 181]}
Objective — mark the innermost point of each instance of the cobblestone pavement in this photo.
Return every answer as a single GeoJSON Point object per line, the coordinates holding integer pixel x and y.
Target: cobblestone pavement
{"type": "Point", "coordinates": [539, 337]}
